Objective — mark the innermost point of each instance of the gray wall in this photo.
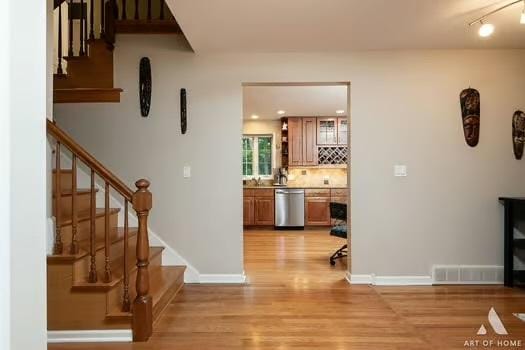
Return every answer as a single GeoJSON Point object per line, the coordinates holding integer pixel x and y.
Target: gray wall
{"type": "Point", "coordinates": [404, 109]}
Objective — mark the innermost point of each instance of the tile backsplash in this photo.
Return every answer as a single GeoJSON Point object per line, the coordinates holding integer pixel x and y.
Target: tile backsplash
{"type": "Point", "coordinates": [317, 176]}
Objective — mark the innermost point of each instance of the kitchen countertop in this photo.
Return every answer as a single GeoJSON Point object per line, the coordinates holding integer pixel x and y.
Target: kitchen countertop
{"type": "Point", "coordinates": [305, 187]}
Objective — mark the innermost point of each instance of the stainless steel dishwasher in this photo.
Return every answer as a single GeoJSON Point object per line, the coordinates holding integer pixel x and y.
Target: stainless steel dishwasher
{"type": "Point", "coordinates": [289, 208]}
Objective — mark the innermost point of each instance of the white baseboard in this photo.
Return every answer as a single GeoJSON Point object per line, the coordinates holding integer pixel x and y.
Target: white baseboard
{"type": "Point", "coordinates": [90, 336]}
{"type": "Point", "coordinates": [359, 279]}
{"type": "Point", "coordinates": [223, 278]}
{"type": "Point", "coordinates": [389, 280]}
{"type": "Point", "coordinates": [403, 280]}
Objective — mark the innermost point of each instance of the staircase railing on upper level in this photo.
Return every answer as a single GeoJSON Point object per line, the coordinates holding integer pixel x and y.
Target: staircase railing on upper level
{"type": "Point", "coordinates": [141, 200]}
{"type": "Point", "coordinates": [97, 19]}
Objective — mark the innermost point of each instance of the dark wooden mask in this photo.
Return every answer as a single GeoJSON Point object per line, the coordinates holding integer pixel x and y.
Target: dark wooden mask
{"type": "Point", "coordinates": [470, 114]}
{"type": "Point", "coordinates": [518, 133]}
{"type": "Point", "coordinates": [145, 86]}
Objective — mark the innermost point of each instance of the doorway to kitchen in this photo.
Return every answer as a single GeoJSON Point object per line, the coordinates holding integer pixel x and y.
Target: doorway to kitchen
{"type": "Point", "coordinates": [296, 181]}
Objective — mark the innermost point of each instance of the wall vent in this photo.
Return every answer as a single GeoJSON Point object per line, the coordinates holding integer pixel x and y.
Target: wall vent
{"type": "Point", "coordinates": [467, 274]}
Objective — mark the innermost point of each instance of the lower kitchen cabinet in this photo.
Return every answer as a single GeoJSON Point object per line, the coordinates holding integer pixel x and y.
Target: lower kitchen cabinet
{"type": "Point", "coordinates": [264, 211]}
{"type": "Point", "coordinates": [258, 207]}
{"type": "Point", "coordinates": [248, 211]}
{"type": "Point", "coordinates": [317, 211]}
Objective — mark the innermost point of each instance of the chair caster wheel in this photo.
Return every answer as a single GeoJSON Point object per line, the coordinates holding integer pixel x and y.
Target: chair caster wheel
{"type": "Point", "coordinates": [332, 262]}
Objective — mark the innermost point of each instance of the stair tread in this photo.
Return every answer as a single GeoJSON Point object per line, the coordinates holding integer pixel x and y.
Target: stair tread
{"type": "Point", "coordinates": [86, 215]}
{"type": "Point", "coordinates": [89, 89]}
{"type": "Point", "coordinates": [116, 235]}
{"type": "Point", "coordinates": [87, 95]}
{"type": "Point", "coordinates": [162, 279]}
{"type": "Point", "coordinates": [117, 272]}
{"type": "Point", "coordinates": [68, 191]}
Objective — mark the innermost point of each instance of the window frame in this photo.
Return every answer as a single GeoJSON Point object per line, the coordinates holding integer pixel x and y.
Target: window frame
{"type": "Point", "coordinates": [255, 156]}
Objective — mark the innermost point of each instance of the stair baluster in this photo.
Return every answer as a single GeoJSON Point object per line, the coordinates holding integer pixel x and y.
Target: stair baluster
{"type": "Point", "coordinates": [124, 14]}
{"type": "Point", "coordinates": [126, 304]}
{"type": "Point", "coordinates": [85, 30]}
{"type": "Point", "coordinates": [161, 15]}
{"type": "Point", "coordinates": [59, 46]}
{"type": "Point", "coordinates": [91, 19]}
{"type": "Point", "coordinates": [74, 215]}
{"type": "Point", "coordinates": [149, 10]}
{"type": "Point", "coordinates": [58, 246]}
{"type": "Point", "coordinates": [102, 19]}
{"type": "Point", "coordinates": [81, 51]}
{"type": "Point", "coordinates": [70, 19]}
{"type": "Point", "coordinates": [107, 241]}
{"type": "Point", "coordinates": [142, 305]}
{"type": "Point", "coordinates": [92, 232]}
{"type": "Point", "coordinates": [136, 10]}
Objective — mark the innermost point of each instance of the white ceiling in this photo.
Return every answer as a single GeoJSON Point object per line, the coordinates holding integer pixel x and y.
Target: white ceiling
{"type": "Point", "coordinates": [340, 25]}
{"type": "Point", "coordinates": [299, 101]}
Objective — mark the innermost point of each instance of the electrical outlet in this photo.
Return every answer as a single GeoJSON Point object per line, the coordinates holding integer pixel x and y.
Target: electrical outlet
{"type": "Point", "coordinates": [303, 172]}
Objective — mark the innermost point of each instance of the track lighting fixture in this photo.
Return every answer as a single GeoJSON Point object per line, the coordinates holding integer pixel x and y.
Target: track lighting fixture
{"type": "Point", "coordinates": [487, 29]}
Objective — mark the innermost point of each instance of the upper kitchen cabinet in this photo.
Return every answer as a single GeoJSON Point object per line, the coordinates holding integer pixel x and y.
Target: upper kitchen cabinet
{"type": "Point", "coordinates": [326, 131]}
{"type": "Point", "coordinates": [295, 141]}
{"type": "Point", "coordinates": [309, 141]}
{"type": "Point", "coordinates": [342, 131]}
{"type": "Point", "coordinates": [317, 141]}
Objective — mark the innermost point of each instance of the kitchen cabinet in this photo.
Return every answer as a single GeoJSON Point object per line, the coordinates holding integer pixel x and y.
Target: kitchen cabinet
{"type": "Point", "coordinates": [317, 207]}
{"type": "Point", "coordinates": [302, 141]}
{"type": "Point", "coordinates": [317, 211]}
{"type": "Point", "coordinates": [258, 207]}
{"type": "Point", "coordinates": [248, 211]}
{"type": "Point", "coordinates": [309, 141]}
{"type": "Point", "coordinates": [327, 131]}
{"type": "Point", "coordinates": [295, 141]}
{"type": "Point", "coordinates": [264, 211]}
{"type": "Point", "coordinates": [342, 131]}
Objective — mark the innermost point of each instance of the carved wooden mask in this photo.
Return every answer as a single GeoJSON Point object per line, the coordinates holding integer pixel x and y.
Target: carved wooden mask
{"type": "Point", "coordinates": [518, 133]}
{"type": "Point", "coordinates": [145, 86]}
{"type": "Point", "coordinates": [470, 114]}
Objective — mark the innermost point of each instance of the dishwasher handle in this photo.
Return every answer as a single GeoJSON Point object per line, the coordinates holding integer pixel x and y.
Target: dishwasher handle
{"type": "Point", "coordinates": [292, 191]}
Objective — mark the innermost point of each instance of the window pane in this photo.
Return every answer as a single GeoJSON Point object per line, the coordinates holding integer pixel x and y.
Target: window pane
{"type": "Point", "coordinates": [247, 156]}
{"type": "Point", "coordinates": [265, 155]}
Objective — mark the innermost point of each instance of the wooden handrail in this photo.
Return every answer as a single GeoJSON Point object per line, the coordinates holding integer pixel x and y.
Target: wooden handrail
{"type": "Point", "coordinates": [89, 160]}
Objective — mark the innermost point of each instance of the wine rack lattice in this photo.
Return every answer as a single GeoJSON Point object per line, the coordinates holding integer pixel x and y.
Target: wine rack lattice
{"type": "Point", "coordinates": [332, 155]}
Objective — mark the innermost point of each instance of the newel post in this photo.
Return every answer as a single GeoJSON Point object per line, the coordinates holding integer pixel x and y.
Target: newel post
{"type": "Point", "coordinates": [142, 305]}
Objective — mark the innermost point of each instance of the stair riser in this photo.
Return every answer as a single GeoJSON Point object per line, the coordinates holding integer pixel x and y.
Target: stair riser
{"type": "Point", "coordinates": [114, 297]}
{"type": "Point", "coordinates": [81, 266]}
{"type": "Point", "coordinates": [66, 180]}
{"type": "Point", "coordinates": [161, 305]}
{"type": "Point", "coordinates": [66, 204]}
{"type": "Point", "coordinates": [93, 71]}
{"type": "Point", "coordinates": [83, 229]}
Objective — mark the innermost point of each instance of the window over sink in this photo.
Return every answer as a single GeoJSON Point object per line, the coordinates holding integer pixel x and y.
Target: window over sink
{"type": "Point", "coordinates": [257, 156]}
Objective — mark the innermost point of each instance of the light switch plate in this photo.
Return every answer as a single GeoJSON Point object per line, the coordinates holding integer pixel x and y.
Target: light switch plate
{"type": "Point", "coordinates": [187, 171]}
{"type": "Point", "coordinates": [400, 170]}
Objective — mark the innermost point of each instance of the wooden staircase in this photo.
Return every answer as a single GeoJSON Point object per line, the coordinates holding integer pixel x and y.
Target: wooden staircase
{"type": "Point", "coordinates": [85, 73]}
{"type": "Point", "coordinates": [94, 261]}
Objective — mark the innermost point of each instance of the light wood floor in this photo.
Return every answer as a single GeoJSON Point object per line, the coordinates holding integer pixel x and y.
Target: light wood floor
{"type": "Point", "coordinates": [296, 300]}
